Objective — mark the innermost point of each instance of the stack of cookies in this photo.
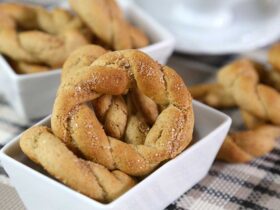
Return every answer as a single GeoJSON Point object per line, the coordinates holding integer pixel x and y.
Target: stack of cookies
{"type": "Point", "coordinates": [34, 39]}
{"type": "Point", "coordinates": [253, 88]}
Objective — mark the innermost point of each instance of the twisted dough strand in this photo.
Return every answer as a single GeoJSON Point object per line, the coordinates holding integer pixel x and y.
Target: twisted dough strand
{"type": "Point", "coordinates": [114, 73]}
{"type": "Point", "coordinates": [242, 81]}
{"type": "Point", "coordinates": [92, 85]}
{"type": "Point", "coordinates": [86, 177]}
{"type": "Point", "coordinates": [244, 146]}
{"type": "Point", "coordinates": [113, 115]}
{"type": "Point", "coordinates": [105, 19]}
{"type": "Point", "coordinates": [212, 94]}
{"type": "Point", "coordinates": [31, 17]}
{"type": "Point", "coordinates": [39, 47]}
{"type": "Point", "coordinates": [60, 37]}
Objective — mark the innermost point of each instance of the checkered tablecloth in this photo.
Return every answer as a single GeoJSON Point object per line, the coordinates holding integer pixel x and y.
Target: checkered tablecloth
{"type": "Point", "coordinates": [255, 185]}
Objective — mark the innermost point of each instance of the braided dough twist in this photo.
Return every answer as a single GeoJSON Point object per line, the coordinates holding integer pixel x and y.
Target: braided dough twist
{"type": "Point", "coordinates": [62, 34]}
{"type": "Point", "coordinates": [20, 16]}
{"type": "Point", "coordinates": [259, 105]}
{"type": "Point", "coordinates": [242, 80]}
{"type": "Point", "coordinates": [239, 85]}
{"type": "Point", "coordinates": [91, 179]}
{"type": "Point", "coordinates": [246, 145]}
{"type": "Point", "coordinates": [107, 22]}
{"type": "Point", "coordinates": [116, 73]}
{"type": "Point", "coordinates": [104, 89]}
{"type": "Point", "coordinates": [212, 94]}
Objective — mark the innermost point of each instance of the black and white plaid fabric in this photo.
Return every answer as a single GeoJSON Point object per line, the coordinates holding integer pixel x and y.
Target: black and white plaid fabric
{"type": "Point", "coordinates": [255, 185]}
{"type": "Point", "coordinates": [237, 186]}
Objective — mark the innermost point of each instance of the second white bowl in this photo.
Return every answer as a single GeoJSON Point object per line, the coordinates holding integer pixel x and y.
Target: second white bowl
{"type": "Point", "coordinates": [32, 95]}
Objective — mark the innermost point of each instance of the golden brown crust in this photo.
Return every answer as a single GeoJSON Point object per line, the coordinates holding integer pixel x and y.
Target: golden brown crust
{"type": "Point", "coordinates": [136, 130]}
{"type": "Point", "coordinates": [146, 106]}
{"type": "Point", "coordinates": [245, 145]}
{"type": "Point", "coordinates": [251, 121]}
{"type": "Point", "coordinates": [34, 35]}
{"type": "Point", "coordinates": [231, 153]}
{"type": "Point", "coordinates": [7, 22]}
{"type": "Point", "coordinates": [22, 15]}
{"type": "Point", "coordinates": [239, 84]}
{"type": "Point", "coordinates": [10, 46]}
{"type": "Point", "coordinates": [213, 94]}
{"type": "Point", "coordinates": [56, 51]}
{"type": "Point", "coordinates": [106, 21]}
{"type": "Point", "coordinates": [259, 105]}
{"type": "Point", "coordinates": [116, 118]}
{"type": "Point", "coordinates": [115, 73]}
{"type": "Point", "coordinates": [29, 17]}
{"type": "Point", "coordinates": [91, 179]}
{"type": "Point", "coordinates": [51, 36]}
{"type": "Point", "coordinates": [101, 106]}
{"type": "Point", "coordinates": [31, 46]}
{"type": "Point", "coordinates": [83, 56]}
{"type": "Point", "coordinates": [241, 79]}
{"type": "Point", "coordinates": [103, 86]}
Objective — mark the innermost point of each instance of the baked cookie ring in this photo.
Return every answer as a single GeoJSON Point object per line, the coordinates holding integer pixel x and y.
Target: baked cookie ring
{"type": "Point", "coordinates": [117, 74]}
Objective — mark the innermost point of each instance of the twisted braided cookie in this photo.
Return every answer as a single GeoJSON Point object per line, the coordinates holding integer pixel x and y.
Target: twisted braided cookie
{"type": "Point", "coordinates": [107, 22]}
{"type": "Point", "coordinates": [115, 73]}
{"type": "Point", "coordinates": [213, 94]}
{"type": "Point", "coordinates": [239, 85]}
{"type": "Point", "coordinates": [39, 47]}
{"type": "Point", "coordinates": [89, 178]}
{"type": "Point", "coordinates": [242, 80]}
{"type": "Point", "coordinates": [244, 146]}
{"type": "Point", "coordinates": [59, 35]}
{"type": "Point", "coordinates": [121, 110]}
{"type": "Point", "coordinates": [23, 17]}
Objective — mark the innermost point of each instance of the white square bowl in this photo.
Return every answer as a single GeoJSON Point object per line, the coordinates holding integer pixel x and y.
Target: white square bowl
{"type": "Point", "coordinates": [32, 95]}
{"type": "Point", "coordinates": [40, 191]}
